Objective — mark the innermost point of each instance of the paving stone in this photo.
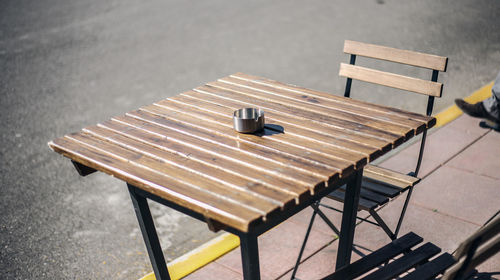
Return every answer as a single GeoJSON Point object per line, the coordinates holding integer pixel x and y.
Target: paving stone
{"type": "Point", "coordinates": [491, 265]}
{"type": "Point", "coordinates": [482, 157]}
{"type": "Point", "coordinates": [318, 266]}
{"type": "Point", "coordinates": [444, 231]}
{"type": "Point", "coordinates": [304, 216]}
{"type": "Point", "coordinates": [405, 163]}
{"type": "Point", "coordinates": [322, 263]}
{"type": "Point", "coordinates": [214, 271]}
{"type": "Point", "coordinates": [442, 145]}
{"type": "Point", "coordinates": [278, 249]}
{"type": "Point", "coordinates": [466, 195]}
{"type": "Point", "coordinates": [468, 125]}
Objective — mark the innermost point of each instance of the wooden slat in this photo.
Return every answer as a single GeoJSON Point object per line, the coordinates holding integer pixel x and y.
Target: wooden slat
{"type": "Point", "coordinates": [381, 180]}
{"type": "Point", "coordinates": [383, 188]}
{"type": "Point", "coordinates": [382, 125]}
{"type": "Point", "coordinates": [369, 195]}
{"type": "Point", "coordinates": [209, 95]}
{"type": "Point", "coordinates": [373, 196]}
{"type": "Point", "coordinates": [391, 80]}
{"type": "Point", "coordinates": [332, 157]}
{"type": "Point", "coordinates": [223, 211]}
{"type": "Point", "coordinates": [342, 138]}
{"type": "Point", "coordinates": [298, 189]}
{"type": "Point", "coordinates": [272, 193]}
{"type": "Point", "coordinates": [197, 180]}
{"type": "Point", "coordinates": [376, 258]}
{"type": "Point", "coordinates": [223, 116]}
{"type": "Point", "coordinates": [372, 170]}
{"type": "Point", "coordinates": [318, 96]}
{"type": "Point", "coordinates": [251, 144]}
{"type": "Point", "coordinates": [396, 55]}
{"type": "Point", "coordinates": [404, 263]}
{"type": "Point", "coordinates": [290, 111]}
{"type": "Point", "coordinates": [364, 204]}
{"type": "Point", "coordinates": [345, 106]}
{"type": "Point", "coordinates": [367, 200]}
{"type": "Point", "coordinates": [259, 160]}
{"type": "Point", "coordinates": [431, 269]}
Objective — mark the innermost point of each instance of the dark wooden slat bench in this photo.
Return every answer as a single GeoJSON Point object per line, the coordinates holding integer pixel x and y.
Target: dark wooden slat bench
{"type": "Point", "coordinates": [402, 261]}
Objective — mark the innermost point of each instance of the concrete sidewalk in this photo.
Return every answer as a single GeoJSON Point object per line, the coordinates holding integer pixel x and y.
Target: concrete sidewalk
{"type": "Point", "coordinates": [460, 190]}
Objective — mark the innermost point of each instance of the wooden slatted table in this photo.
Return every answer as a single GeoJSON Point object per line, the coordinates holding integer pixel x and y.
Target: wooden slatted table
{"type": "Point", "coordinates": [184, 153]}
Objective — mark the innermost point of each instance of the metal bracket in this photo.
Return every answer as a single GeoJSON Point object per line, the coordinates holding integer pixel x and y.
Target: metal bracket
{"type": "Point", "coordinates": [214, 225]}
{"type": "Point", "coordinates": [83, 170]}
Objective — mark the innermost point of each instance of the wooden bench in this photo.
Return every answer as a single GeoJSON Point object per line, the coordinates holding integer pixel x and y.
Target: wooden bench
{"type": "Point", "coordinates": [398, 260]}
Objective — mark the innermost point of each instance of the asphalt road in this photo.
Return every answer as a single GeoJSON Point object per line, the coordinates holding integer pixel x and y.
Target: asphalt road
{"type": "Point", "coordinates": [69, 64]}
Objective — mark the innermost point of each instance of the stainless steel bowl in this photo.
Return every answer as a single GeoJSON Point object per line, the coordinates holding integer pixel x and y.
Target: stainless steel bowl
{"type": "Point", "coordinates": [248, 120]}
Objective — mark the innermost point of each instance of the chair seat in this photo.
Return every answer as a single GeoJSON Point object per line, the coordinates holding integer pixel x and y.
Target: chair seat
{"type": "Point", "coordinates": [379, 185]}
{"type": "Point", "coordinates": [400, 259]}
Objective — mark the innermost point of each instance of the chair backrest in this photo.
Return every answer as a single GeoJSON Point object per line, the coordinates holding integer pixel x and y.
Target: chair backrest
{"type": "Point", "coordinates": [480, 246]}
{"type": "Point", "coordinates": [430, 88]}
{"type": "Point", "coordinates": [433, 62]}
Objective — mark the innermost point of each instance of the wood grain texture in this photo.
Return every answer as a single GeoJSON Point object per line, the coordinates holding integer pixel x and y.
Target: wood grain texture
{"type": "Point", "coordinates": [238, 152]}
{"type": "Point", "coordinates": [375, 172]}
{"type": "Point", "coordinates": [253, 176]}
{"type": "Point", "coordinates": [300, 140]}
{"type": "Point", "coordinates": [322, 104]}
{"type": "Point", "coordinates": [184, 149]}
{"type": "Point", "coordinates": [330, 158]}
{"type": "Point", "coordinates": [197, 137]}
{"type": "Point", "coordinates": [259, 189]}
{"type": "Point", "coordinates": [213, 94]}
{"type": "Point", "coordinates": [370, 121]}
{"type": "Point", "coordinates": [156, 183]}
{"type": "Point", "coordinates": [419, 59]}
{"type": "Point", "coordinates": [318, 96]}
{"type": "Point", "coordinates": [391, 80]}
{"type": "Point", "coordinates": [198, 180]}
{"type": "Point", "coordinates": [305, 129]}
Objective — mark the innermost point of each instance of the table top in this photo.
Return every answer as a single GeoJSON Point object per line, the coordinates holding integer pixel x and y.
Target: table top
{"type": "Point", "coordinates": [184, 149]}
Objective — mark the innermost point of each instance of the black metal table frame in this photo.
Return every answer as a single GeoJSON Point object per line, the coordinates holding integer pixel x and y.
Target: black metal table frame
{"type": "Point", "coordinates": [248, 240]}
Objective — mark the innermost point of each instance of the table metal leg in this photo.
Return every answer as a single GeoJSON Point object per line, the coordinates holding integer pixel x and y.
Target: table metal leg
{"type": "Point", "coordinates": [349, 219]}
{"type": "Point", "coordinates": [250, 256]}
{"type": "Point", "coordinates": [149, 234]}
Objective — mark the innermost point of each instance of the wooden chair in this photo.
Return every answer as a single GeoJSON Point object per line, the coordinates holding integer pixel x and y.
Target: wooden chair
{"type": "Point", "coordinates": [404, 263]}
{"type": "Point", "coordinates": [381, 185]}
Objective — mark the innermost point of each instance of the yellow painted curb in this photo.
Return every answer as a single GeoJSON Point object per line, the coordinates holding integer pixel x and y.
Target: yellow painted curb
{"type": "Point", "coordinates": [219, 246]}
{"type": "Point", "coordinates": [199, 257]}
{"type": "Point", "coordinates": [454, 112]}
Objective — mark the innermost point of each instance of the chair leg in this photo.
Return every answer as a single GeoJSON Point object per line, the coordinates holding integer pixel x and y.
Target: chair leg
{"type": "Point", "coordinates": [382, 224]}
{"type": "Point", "coordinates": [297, 263]}
{"type": "Point", "coordinates": [373, 213]}
{"type": "Point", "coordinates": [326, 220]}
{"type": "Point", "coordinates": [403, 212]}
{"type": "Point", "coordinates": [149, 234]}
